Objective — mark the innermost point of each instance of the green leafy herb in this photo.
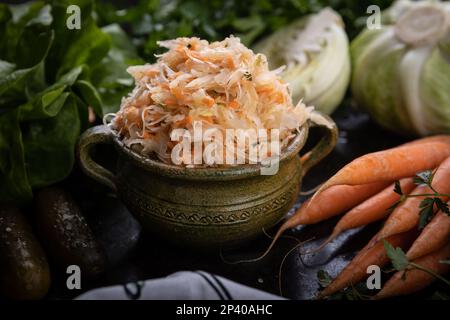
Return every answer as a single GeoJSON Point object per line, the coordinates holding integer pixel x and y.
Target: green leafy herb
{"type": "Point", "coordinates": [14, 185]}
{"type": "Point", "coordinates": [442, 206]}
{"type": "Point", "coordinates": [424, 178]}
{"type": "Point", "coordinates": [400, 262]}
{"type": "Point", "coordinates": [58, 134]}
{"type": "Point", "coordinates": [324, 278]}
{"type": "Point", "coordinates": [429, 203]}
{"type": "Point", "coordinates": [397, 256]}
{"type": "Point", "coordinates": [398, 188]}
{"type": "Point", "coordinates": [49, 76]}
{"type": "Point", "coordinates": [354, 292]}
{"type": "Point", "coordinates": [399, 191]}
{"type": "Point", "coordinates": [152, 20]}
{"type": "Point", "coordinates": [110, 76]}
{"type": "Point", "coordinates": [426, 212]}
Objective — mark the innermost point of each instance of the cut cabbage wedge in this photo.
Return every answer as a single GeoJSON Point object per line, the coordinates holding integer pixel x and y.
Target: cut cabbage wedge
{"type": "Point", "coordinates": [401, 72]}
{"type": "Point", "coordinates": [315, 51]}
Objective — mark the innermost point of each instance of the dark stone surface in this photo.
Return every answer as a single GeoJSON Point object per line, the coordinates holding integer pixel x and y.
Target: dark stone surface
{"type": "Point", "coordinates": [133, 254]}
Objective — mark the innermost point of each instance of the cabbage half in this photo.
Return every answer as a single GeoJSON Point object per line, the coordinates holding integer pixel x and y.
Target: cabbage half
{"type": "Point", "coordinates": [316, 54]}
{"type": "Point", "coordinates": [401, 72]}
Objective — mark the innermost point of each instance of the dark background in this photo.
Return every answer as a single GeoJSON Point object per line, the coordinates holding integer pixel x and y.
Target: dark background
{"type": "Point", "coordinates": [134, 255]}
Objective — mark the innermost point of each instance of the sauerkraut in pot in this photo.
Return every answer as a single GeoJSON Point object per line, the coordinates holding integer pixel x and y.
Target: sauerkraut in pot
{"type": "Point", "coordinates": [219, 86]}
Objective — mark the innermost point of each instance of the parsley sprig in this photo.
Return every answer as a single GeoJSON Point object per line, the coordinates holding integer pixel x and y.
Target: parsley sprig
{"type": "Point", "coordinates": [357, 291]}
{"type": "Point", "coordinates": [400, 262]}
{"type": "Point", "coordinates": [431, 204]}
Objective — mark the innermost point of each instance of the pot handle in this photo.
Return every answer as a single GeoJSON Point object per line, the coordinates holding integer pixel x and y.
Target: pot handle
{"type": "Point", "coordinates": [88, 140]}
{"type": "Point", "coordinates": [324, 146]}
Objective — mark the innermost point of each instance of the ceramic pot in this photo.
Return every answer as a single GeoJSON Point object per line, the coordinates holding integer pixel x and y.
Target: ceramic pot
{"type": "Point", "coordinates": [204, 207]}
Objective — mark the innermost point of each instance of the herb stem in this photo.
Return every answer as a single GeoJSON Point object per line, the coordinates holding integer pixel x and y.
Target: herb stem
{"type": "Point", "coordinates": [428, 195]}
{"type": "Point", "coordinates": [434, 274]}
{"type": "Point", "coordinates": [434, 190]}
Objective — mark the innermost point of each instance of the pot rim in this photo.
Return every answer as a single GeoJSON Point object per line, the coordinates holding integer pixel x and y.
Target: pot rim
{"type": "Point", "coordinates": [208, 173]}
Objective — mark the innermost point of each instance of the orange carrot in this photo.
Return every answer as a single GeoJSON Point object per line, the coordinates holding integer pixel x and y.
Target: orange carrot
{"type": "Point", "coordinates": [416, 279]}
{"type": "Point", "coordinates": [406, 216]}
{"type": "Point", "coordinates": [334, 201]}
{"type": "Point", "coordinates": [265, 88]}
{"type": "Point", "coordinates": [433, 237]}
{"type": "Point", "coordinates": [373, 209]}
{"type": "Point", "coordinates": [230, 62]}
{"type": "Point", "coordinates": [389, 165]}
{"type": "Point", "coordinates": [372, 254]}
{"type": "Point", "coordinates": [444, 138]}
{"type": "Point", "coordinates": [147, 135]}
{"type": "Point", "coordinates": [279, 98]}
{"type": "Point", "coordinates": [208, 101]}
{"type": "Point", "coordinates": [330, 203]}
{"type": "Point", "coordinates": [170, 101]}
{"type": "Point", "coordinates": [234, 104]}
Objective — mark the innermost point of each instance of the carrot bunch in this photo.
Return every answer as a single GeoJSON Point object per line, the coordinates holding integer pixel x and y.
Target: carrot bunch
{"type": "Point", "coordinates": [380, 186]}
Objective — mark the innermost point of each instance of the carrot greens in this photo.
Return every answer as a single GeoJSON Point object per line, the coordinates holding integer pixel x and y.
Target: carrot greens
{"type": "Point", "coordinates": [431, 204]}
{"type": "Point", "coordinates": [400, 262]}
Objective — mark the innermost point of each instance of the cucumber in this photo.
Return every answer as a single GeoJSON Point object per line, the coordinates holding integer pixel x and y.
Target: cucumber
{"type": "Point", "coordinates": [65, 233]}
{"type": "Point", "coordinates": [24, 271]}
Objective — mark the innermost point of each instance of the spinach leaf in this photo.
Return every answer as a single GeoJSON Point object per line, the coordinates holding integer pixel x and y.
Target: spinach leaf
{"type": "Point", "coordinates": [87, 45]}
{"type": "Point", "coordinates": [35, 39]}
{"type": "Point", "coordinates": [14, 184]}
{"type": "Point", "coordinates": [23, 74]}
{"type": "Point", "coordinates": [5, 17]}
{"type": "Point", "coordinates": [42, 105]}
{"type": "Point", "coordinates": [110, 76]}
{"type": "Point", "coordinates": [49, 75]}
{"type": "Point", "coordinates": [49, 144]}
{"type": "Point", "coordinates": [89, 95]}
{"type": "Point", "coordinates": [15, 85]}
{"type": "Point", "coordinates": [15, 19]}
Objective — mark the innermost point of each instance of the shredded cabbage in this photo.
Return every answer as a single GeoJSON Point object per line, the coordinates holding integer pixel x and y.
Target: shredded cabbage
{"type": "Point", "coordinates": [223, 85]}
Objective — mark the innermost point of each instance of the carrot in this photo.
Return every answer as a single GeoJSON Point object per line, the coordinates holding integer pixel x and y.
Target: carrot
{"type": "Point", "coordinates": [406, 216]}
{"type": "Point", "coordinates": [208, 101]}
{"type": "Point", "coordinates": [177, 92]}
{"type": "Point", "coordinates": [147, 135]}
{"type": "Point", "coordinates": [333, 202]}
{"type": "Point", "coordinates": [279, 97]}
{"type": "Point", "coordinates": [230, 63]}
{"type": "Point", "coordinates": [433, 237]}
{"type": "Point", "coordinates": [330, 203]}
{"type": "Point", "coordinates": [233, 104]}
{"type": "Point", "coordinates": [132, 114]}
{"type": "Point", "coordinates": [164, 85]}
{"type": "Point", "coordinates": [390, 165]}
{"type": "Point", "coordinates": [444, 138]}
{"type": "Point", "coordinates": [373, 209]}
{"type": "Point", "coordinates": [416, 279]}
{"type": "Point", "coordinates": [266, 88]}
{"type": "Point", "coordinates": [170, 101]}
{"type": "Point", "coordinates": [372, 254]}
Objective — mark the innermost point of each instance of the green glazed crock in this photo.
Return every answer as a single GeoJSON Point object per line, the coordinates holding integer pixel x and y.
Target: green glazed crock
{"type": "Point", "coordinates": [204, 208]}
